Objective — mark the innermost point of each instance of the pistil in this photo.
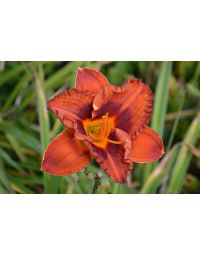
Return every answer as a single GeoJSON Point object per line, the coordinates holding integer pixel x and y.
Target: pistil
{"type": "Point", "coordinates": [100, 130]}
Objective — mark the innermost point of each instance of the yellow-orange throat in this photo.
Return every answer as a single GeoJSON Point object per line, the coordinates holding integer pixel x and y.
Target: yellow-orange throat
{"type": "Point", "coordinates": [100, 129]}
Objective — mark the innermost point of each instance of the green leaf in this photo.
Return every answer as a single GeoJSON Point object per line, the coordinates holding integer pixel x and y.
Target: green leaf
{"type": "Point", "coordinates": [174, 128]}
{"type": "Point", "coordinates": [51, 183]}
{"type": "Point", "coordinates": [42, 108]}
{"type": "Point", "coordinates": [21, 135]}
{"type": "Point", "coordinates": [8, 75]}
{"type": "Point", "coordinates": [63, 74]}
{"type": "Point", "coordinates": [15, 92]}
{"type": "Point", "coordinates": [161, 98]}
{"type": "Point", "coordinates": [74, 184]}
{"type": "Point", "coordinates": [160, 107]}
{"type": "Point", "coordinates": [162, 170]}
{"type": "Point", "coordinates": [7, 158]}
{"type": "Point", "coordinates": [22, 189]}
{"type": "Point", "coordinates": [16, 147]}
{"type": "Point", "coordinates": [184, 157]}
{"type": "Point", "coordinates": [56, 80]}
{"type": "Point", "coordinates": [193, 90]}
{"type": "Point", "coordinates": [4, 180]}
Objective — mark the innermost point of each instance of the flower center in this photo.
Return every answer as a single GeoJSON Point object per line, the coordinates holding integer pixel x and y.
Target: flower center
{"type": "Point", "coordinates": [100, 130]}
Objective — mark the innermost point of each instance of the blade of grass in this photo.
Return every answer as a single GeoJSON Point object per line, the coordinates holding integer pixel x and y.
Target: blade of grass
{"type": "Point", "coordinates": [15, 92]}
{"type": "Point", "coordinates": [42, 108]}
{"type": "Point", "coordinates": [7, 158]}
{"type": "Point", "coordinates": [161, 98]}
{"type": "Point", "coordinates": [183, 114]}
{"type": "Point", "coordinates": [28, 180]}
{"type": "Point", "coordinates": [56, 128]}
{"type": "Point", "coordinates": [5, 182]}
{"type": "Point", "coordinates": [56, 80]}
{"type": "Point", "coordinates": [193, 90]}
{"type": "Point", "coordinates": [8, 75]}
{"type": "Point", "coordinates": [32, 165]}
{"type": "Point", "coordinates": [196, 76]}
{"type": "Point", "coordinates": [116, 188]}
{"type": "Point", "coordinates": [20, 188]}
{"type": "Point", "coordinates": [3, 190]}
{"type": "Point", "coordinates": [184, 157]}
{"type": "Point", "coordinates": [16, 147]}
{"type": "Point", "coordinates": [155, 177]}
{"type": "Point", "coordinates": [160, 107]}
{"type": "Point", "coordinates": [163, 168]}
{"type": "Point", "coordinates": [75, 185]}
{"type": "Point", "coordinates": [21, 135]}
{"type": "Point", "coordinates": [175, 123]}
{"type": "Point", "coordinates": [50, 185]}
{"type": "Point", "coordinates": [62, 75]}
{"type": "Point", "coordinates": [6, 145]}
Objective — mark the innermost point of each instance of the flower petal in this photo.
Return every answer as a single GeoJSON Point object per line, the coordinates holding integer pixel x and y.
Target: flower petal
{"type": "Point", "coordinates": [147, 146]}
{"type": "Point", "coordinates": [125, 140]}
{"type": "Point", "coordinates": [102, 97]}
{"type": "Point", "coordinates": [115, 158]}
{"type": "Point", "coordinates": [132, 105]}
{"type": "Point", "coordinates": [90, 79]}
{"type": "Point", "coordinates": [71, 106]}
{"type": "Point", "coordinates": [65, 155]}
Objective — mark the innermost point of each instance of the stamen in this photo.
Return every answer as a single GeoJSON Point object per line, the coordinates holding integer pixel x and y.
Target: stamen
{"type": "Point", "coordinates": [105, 116]}
{"type": "Point", "coordinates": [115, 142]}
{"type": "Point", "coordinates": [100, 130]}
{"type": "Point", "coordinates": [105, 127]}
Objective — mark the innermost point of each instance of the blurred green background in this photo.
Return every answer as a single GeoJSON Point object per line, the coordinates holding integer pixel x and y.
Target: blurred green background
{"type": "Point", "coordinates": [26, 127]}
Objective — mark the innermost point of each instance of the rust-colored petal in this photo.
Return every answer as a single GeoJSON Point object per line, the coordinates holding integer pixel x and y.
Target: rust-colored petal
{"type": "Point", "coordinates": [71, 106]}
{"type": "Point", "coordinates": [126, 142]}
{"type": "Point", "coordinates": [131, 104]}
{"type": "Point", "coordinates": [65, 155]}
{"type": "Point", "coordinates": [90, 79]}
{"type": "Point", "coordinates": [115, 158]}
{"type": "Point", "coordinates": [102, 97]}
{"type": "Point", "coordinates": [147, 147]}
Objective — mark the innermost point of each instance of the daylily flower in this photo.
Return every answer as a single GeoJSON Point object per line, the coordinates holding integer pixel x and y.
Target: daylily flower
{"type": "Point", "coordinates": [103, 122]}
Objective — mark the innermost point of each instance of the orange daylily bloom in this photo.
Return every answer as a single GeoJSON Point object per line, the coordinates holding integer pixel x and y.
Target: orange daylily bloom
{"type": "Point", "coordinates": [104, 122]}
